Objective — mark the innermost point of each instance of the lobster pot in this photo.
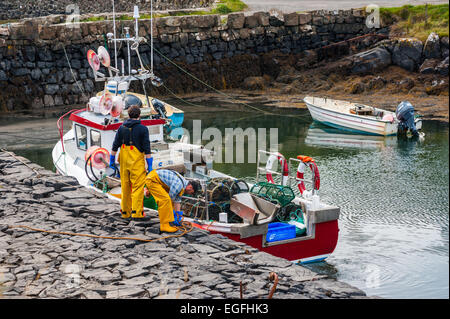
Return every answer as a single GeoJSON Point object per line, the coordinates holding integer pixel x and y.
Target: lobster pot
{"type": "Point", "coordinates": [293, 215]}
{"type": "Point", "coordinates": [282, 195]}
{"type": "Point", "coordinates": [197, 210]}
{"type": "Point", "coordinates": [221, 190]}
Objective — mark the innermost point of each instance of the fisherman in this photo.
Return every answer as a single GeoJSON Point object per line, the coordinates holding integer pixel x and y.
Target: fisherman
{"type": "Point", "coordinates": [134, 142]}
{"type": "Point", "coordinates": [167, 186]}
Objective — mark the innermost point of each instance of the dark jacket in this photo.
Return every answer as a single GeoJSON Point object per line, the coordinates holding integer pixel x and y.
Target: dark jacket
{"type": "Point", "coordinates": [139, 136]}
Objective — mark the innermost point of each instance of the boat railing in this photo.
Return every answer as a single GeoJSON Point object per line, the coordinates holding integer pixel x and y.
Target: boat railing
{"type": "Point", "coordinates": [265, 170]}
{"type": "Point", "coordinates": [288, 178]}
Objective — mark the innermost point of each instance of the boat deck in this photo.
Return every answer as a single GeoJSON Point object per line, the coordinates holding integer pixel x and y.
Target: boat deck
{"type": "Point", "coordinates": [346, 107]}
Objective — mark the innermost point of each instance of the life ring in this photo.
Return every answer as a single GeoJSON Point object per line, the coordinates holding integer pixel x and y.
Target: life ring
{"type": "Point", "coordinates": [307, 161]}
{"type": "Point", "coordinates": [270, 161]}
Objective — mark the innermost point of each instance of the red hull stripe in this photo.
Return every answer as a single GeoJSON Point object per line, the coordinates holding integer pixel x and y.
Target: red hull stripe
{"type": "Point", "coordinates": [111, 127]}
{"type": "Point", "coordinates": [324, 242]}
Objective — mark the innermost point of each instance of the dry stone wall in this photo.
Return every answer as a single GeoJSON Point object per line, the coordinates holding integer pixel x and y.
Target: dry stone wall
{"type": "Point", "coordinates": [18, 9]}
{"type": "Point", "coordinates": [221, 50]}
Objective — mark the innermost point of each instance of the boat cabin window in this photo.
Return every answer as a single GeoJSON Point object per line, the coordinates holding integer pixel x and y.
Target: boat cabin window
{"type": "Point", "coordinates": [96, 138]}
{"type": "Point", "coordinates": [81, 137]}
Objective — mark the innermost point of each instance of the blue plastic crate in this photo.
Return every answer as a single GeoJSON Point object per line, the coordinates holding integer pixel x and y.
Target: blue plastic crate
{"type": "Point", "coordinates": [280, 231]}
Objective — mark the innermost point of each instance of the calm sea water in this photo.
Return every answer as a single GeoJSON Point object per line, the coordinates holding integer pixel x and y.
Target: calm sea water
{"type": "Point", "coordinates": [393, 194]}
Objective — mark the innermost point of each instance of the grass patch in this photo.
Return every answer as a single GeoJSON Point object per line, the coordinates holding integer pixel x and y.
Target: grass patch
{"type": "Point", "coordinates": [418, 21]}
{"type": "Point", "coordinates": [7, 21]}
{"type": "Point", "coordinates": [229, 6]}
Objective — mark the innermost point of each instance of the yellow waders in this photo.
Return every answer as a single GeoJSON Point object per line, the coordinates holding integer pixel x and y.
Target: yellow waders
{"type": "Point", "coordinates": [160, 192]}
{"type": "Point", "coordinates": [132, 177]}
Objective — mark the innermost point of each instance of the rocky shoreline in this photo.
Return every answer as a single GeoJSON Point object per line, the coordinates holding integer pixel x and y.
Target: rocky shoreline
{"type": "Point", "coordinates": [194, 266]}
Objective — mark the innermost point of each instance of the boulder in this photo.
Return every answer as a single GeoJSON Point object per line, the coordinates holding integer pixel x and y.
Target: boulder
{"type": "Point", "coordinates": [263, 18]}
{"type": "Point", "coordinates": [304, 18]}
{"type": "Point", "coordinates": [51, 89]}
{"type": "Point", "coordinates": [444, 47]}
{"type": "Point", "coordinates": [291, 19]}
{"type": "Point", "coordinates": [36, 74]}
{"type": "Point", "coordinates": [442, 68]}
{"type": "Point", "coordinates": [428, 66]}
{"type": "Point", "coordinates": [437, 87]}
{"type": "Point", "coordinates": [370, 61]}
{"type": "Point", "coordinates": [254, 83]}
{"type": "Point", "coordinates": [49, 101]}
{"type": "Point", "coordinates": [432, 47]}
{"type": "Point", "coordinates": [37, 103]}
{"type": "Point", "coordinates": [251, 21]}
{"type": "Point", "coordinates": [376, 83]}
{"type": "Point", "coordinates": [3, 76]}
{"type": "Point", "coordinates": [406, 84]}
{"type": "Point", "coordinates": [407, 53]}
{"type": "Point", "coordinates": [236, 20]}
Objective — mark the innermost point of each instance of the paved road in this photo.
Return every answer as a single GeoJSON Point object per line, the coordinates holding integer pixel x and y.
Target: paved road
{"type": "Point", "coordinates": [304, 5]}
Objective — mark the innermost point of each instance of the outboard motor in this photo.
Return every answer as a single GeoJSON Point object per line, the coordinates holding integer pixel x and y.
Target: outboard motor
{"type": "Point", "coordinates": [130, 100]}
{"type": "Point", "coordinates": [405, 116]}
{"type": "Point", "coordinates": [160, 108]}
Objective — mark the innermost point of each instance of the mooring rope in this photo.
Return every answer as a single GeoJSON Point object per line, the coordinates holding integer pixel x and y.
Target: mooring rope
{"type": "Point", "coordinates": [185, 228]}
{"type": "Point", "coordinates": [223, 93]}
{"type": "Point", "coordinates": [73, 74]}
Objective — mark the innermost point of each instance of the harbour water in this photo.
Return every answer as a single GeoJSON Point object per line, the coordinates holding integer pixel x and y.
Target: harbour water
{"type": "Point", "coordinates": [393, 193]}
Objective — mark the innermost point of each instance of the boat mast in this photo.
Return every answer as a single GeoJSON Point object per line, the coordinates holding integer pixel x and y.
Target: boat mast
{"type": "Point", "coordinates": [115, 37]}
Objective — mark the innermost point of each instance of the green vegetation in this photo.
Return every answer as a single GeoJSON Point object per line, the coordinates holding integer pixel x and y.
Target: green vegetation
{"type": "Point", "coordinates": [7, 21]}
{"type": "Point", "coordinates": [418, 21]}
{"type": "Point", "coordinates": [228, 6]}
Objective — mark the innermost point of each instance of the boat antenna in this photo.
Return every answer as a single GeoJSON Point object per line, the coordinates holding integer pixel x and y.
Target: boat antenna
{"type": "Point", "coordinates": [151, 36]}
{"type": "Point", "coordinates": [115, 37]}
{"type": "Point", "coordinates": [136, 17]}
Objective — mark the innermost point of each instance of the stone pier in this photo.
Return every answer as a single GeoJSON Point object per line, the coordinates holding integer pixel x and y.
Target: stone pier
{"type": "Point", "coordinates": [197, 265]}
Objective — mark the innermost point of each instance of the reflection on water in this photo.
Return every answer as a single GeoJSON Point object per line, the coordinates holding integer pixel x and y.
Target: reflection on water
{"type": "Point", "coordinates": [324, 136]}
{"type": "Point", "coordinates": [393, 195]}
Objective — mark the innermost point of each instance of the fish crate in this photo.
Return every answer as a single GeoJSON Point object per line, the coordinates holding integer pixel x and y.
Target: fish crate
{"type": "Point", "coordinates": [280, 231]}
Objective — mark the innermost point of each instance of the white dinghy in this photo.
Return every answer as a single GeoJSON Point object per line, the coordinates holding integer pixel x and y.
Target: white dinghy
{"type": "Point", "coordinates": [363, 119]}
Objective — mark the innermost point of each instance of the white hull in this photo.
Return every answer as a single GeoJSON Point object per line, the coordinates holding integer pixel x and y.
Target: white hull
{"type": "Point", "coordinates": [72, 162]}
{"type": "Point", "coordinates": [336, 114]}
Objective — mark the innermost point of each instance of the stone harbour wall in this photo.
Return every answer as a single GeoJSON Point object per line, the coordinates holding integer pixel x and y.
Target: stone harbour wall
{"type": "Point", "coordinates": [194, 266]}
{"type": "Point", "coordinates": [220, 50]}
{"type": "Point", "coordinates": [18, 9]}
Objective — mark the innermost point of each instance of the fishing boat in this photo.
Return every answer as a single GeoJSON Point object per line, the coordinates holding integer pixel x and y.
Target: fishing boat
{"type": "Point", "coordinates": [363, 119]}
{"type": "Point", "coordinates": [276, 214]}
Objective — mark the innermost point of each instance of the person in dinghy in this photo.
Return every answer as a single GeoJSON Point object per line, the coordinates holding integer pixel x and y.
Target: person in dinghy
{"type": "Point", "coordinates": [133, 140]}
